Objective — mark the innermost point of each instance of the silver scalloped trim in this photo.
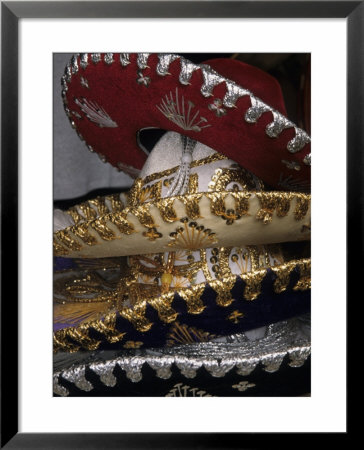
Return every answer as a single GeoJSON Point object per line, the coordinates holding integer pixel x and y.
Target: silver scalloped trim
{"type": "Point", "coordinates": [109, 58]}
{"type": "Point", "coordinates": [165, 61]}
{"type": "Point", "coordinates": [142, 60]}
{"type": "Point", "coordinates": [288, 338]}
{"type": "Point", "coordinates": [83, 60]}
{"type": "Point", "coordinates": [124, 59]}
{"type": "Point", "coordinates": [211, 79]}
{"type": "Point", "coordinates": [95, 57]}
{"type": "Point", "coordinates": [234, 92]}
{"type": "Point", "coordinates": [74, 64]}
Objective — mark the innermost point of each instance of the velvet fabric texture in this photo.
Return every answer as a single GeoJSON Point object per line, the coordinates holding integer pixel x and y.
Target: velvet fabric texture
{"type": "Point", "coordinates": [109, 103]}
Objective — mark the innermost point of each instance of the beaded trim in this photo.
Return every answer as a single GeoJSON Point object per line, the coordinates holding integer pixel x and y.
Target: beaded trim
{"type": "Point", "coordinates": [210, 80]}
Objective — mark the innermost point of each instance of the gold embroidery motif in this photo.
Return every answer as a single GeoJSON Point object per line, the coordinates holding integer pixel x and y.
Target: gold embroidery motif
{"type": "Point", "coordinates": [191, 236]}
{"type": "Point", "coordinates": [133, 344]}
{"type": "Point", "coordinates": [235, 316]}
{"type": "Point", "coordinates": [99, 204]}
{"type": "Point", "coordinates": [59, 250]}
{"type": "Point", "coordinates": [136, 315]}
{"type": "Point", "coordinates": [120, 221]}
{"type": "Point", "coordinates": [67, 240]}
{"type": "Point", "coordinates": [116, 203]}
{"type": "Point", "coordinates": [107, 329]}
{"type": "Point", "coordinates": [76, 216]}
{"type": "Point", "coordinates": [223, 177]}
{"type": "Point", "coordinates": [163, 306]}
{"type": "Point", "coordinates": [302, 204]}
{"type": "Point", "coordinates": [271, 201]}
{"type": "Point", "coordinates": [183, 334]}
{"type": "Point", "coordinates": [82, 232]}
{"type": "Point", "coordinates": [167, 211]}
{"type": "Point", "coordinates": [152, 234]}
{"type": "Point", "coordinates": [192, 297]}
{"type": "Point", "coordinates": [193, 184]}
{"type": "Point", "coordinates": [80, 336]}
{"type": "Point", "coordinates": [88, 212]}
{"type": "Point", "coordinates": [283, 276]}
{"type": "Point", "coordinates": [304, 281]}
{"type": "Point", "coordinates": [99, 225]}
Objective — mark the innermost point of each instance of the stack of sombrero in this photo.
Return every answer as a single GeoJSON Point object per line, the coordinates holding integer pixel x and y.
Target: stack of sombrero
{"type": "Point", "coordinates": [211, 243]}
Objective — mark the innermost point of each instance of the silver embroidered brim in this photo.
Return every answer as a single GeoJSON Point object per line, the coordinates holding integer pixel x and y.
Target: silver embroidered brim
{"type": "Point", "coordinates": [288, 339]}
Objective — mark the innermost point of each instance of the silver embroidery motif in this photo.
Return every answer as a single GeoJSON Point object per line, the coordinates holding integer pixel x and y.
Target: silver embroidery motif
{"type": "Point", "coordinates": [175, 110]}
{"type": "Point", "coordinates": [95, 57]}
{"type": "Point", "coordinates": [234, 92]}
{"type": "Point", "coordinates": [83, 60]}
{"type": "Point", "coordinates": [243, 386]}
{"type": "Point", "coordinates": [291, 164]}
{"type": "Point", "coordinates": [299, 141]}
{"type": "Point", "coordinates": [280, 123]}
{"type": "Point", "coordinates": [84, 82]}
{"type": "Point", "coordinates": [144, 80]}
{"type": "Point", "coordinates": [109, 58]}
{"type": "Point", "coordinates": [164, 63]}
{"type": "Point", "coordinates": [124, 59]}
{"type": "Point", "coordinates": [256, 110]}
{"type": "Point", "coordinates": [211, 79]}
{"type": "Point", "coordinates": [307, 159]}
{"type": "Point", "coordinates": [74, 63]}
{"type": "Point", "coordinates": [187, 69]}
{"type": "Point", "coordinates": [142, 60]}
{"type": "Point", "coordinates": [96, 114]}
{"type": "Point", "coordinates": [217, 108]}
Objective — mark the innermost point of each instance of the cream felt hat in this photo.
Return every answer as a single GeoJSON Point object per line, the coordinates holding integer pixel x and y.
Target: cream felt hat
{"type": "Point", "coordinates": [187, 197]}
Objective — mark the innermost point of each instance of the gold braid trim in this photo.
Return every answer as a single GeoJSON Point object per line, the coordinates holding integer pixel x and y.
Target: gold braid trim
{"type": "Point", "coordinates": [76, 216]}
{"type": "Point", "coordinates": [302, 204]}
{"type": "Point", "coordinates": [99, 203]}
{"type": "Point", "coordinates": [66, 240]}
{"type": "Point", "coordinates": [82, 232]}
{"type": "Point", "coordinates": [304, 281]}
{"type": "Point", "coordinates": [107, 328]}
{"type": "Point", "coordinates": [253, 282]}
{"type": "Point", "coordinates": [192, 296]}
{"type": "Point", "coordinates": [163, 305]}
{"type": "Point", "coordinates": [88, 211]}
{"type": "Point", "coordinates": [167, 314]}
{"type": "Point", "coordinates": [167, 211]}
{"type": "Point", "coordinates": [100, 226]}
{"type": "Point", "coordinates": [116, 204]}
{"type": "Point", "coordinates": [136, 316]}
{"type": "Point", "coordinates": [269, 203]}
{"type": "Point", "coordinates": [59, 250]}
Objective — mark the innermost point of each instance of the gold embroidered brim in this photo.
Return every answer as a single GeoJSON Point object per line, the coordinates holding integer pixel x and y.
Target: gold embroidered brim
{"type": "Point", "coordinates": [104, 227]}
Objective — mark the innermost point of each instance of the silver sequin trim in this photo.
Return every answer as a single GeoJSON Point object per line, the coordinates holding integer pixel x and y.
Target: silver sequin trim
{"type": "Point", "coordinates": [234, 92]}
{"type": "Point", "coordinates": [256, 110]}
{"type": "Point", "coordinates": [187, 69]}
{"type": "Point", "coordinates": [142, 60]}
{"type": "Point", "coordinates": [299, 141]}
{"type": "Point", "coordinates": [76, 375]}
{"type": "Point", "coordinates": [109, 58]}
{"type": "Point", "coordinates": [164, 63]}
{"type": "Point", "coordinates": [280, 123]}
{"type": "Point", "coordinates": [95, 57]}
{"type": "Point", "coordinates": [74, 63]}
{"type": "Point", "coordinates": [211, 79]}
{"type": "Point", "coordinates": [68, 73]}
{"type": "Point", "coordinates": [83, 60]}
{"type": "Point", "coordinates": [124, 59]}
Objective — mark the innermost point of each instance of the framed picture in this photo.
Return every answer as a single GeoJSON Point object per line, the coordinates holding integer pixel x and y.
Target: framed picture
{"type": "Point", "coordinates": [31, 49]}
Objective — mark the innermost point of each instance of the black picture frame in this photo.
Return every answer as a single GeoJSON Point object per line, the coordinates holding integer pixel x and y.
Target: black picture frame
{"type": "Point", "coordinates": [11, 12]}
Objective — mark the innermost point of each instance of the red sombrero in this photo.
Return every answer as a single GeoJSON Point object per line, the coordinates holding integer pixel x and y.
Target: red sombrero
{"type": "Point", "coordinates": [225, 104]}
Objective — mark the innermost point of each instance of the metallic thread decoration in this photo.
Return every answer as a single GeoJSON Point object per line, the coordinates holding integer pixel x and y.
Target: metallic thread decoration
{"type": "Point", "coordinates": [164, 63]}
{"type": "Point", "coordinates": [291, 164]}
{"type": "Point", "coordinates": [307, 159]}
{"type": "Point", "coordinates": [280, 123]}
{"type": "Point", "coordinates": [77, 376]}
{"type": "Point", "coordinates": [84, 82]}
{"type": "Point", "coordinates": [181, 113]}
{"type": "Point", "coordinates": [124, 59]}
{"type": "Point", "coordinates": [187, 69]}
{"type": "Point", "coordinates": [299, 141]}
{"type": "Point", "coordinates": [234, 92]}
{"type": "Point", "coordinates": [95, 57]}
{"type": "Point", "coordinates": [217, 108]}
{"type": "Point", "coordinates": [109, 58]}
{"type": "Point", "coordinates": [96, 113]}
{"type": "Point", "coordinates": [74, 63]}
{"type": "Point", "coordinates": [142, 60]}
{"type": "Point", "coordinates": [83, 60]}
{"type": "Point", "coordinates": [256, 110]}
{"type": "Point", "coordinates": [68, 72]}
{"type": "Point", "coordinates": [144, 80]}
{"type": "Point", "coordinates": [211, 79]}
